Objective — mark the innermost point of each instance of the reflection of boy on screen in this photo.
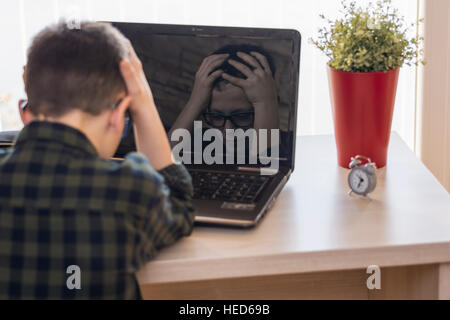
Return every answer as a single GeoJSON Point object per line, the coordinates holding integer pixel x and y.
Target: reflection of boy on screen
{"type": "Point", "coordinates": [234, 88]}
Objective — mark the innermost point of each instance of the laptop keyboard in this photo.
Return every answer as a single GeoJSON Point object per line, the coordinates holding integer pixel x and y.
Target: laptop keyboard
{"type": "Point", "coordinates": [239, 188]}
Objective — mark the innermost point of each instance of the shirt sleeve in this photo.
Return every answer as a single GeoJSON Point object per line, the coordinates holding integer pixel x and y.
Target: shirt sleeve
{"type": "Point", "coordinates": [168, 212]}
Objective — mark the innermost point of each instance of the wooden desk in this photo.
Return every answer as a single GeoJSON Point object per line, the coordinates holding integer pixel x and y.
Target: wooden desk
{"type": "Point", "coordinates": [317, 241]}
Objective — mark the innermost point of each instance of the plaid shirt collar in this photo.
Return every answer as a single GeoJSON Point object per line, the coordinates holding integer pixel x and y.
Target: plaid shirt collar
{"type": "Point", "coordinates": [53, 132]}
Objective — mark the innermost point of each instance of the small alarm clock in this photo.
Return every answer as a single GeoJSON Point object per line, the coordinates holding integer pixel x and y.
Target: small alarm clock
{"type": "Point", "coordinates": [362, 178]}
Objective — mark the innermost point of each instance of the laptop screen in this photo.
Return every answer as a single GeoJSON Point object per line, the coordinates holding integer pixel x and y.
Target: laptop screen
{"type": "Point", "coordinates": [196, 88]}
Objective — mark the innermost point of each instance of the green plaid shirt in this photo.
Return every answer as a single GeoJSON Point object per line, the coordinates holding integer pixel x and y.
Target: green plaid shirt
{"type": "Point", "coordinates": [61, 205]}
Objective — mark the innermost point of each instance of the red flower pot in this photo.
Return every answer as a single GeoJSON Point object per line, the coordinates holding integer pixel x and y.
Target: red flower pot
{"type": "Point", "coordinates": [363, 106]}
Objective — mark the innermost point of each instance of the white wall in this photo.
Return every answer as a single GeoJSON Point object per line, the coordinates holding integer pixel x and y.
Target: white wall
{"type": "Point", "coordinates": [21, 19]}
{"type": "Point", "coordinates": [434, 140]}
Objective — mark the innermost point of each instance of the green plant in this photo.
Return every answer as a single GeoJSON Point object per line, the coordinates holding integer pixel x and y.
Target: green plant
{"type": "Point", "coordinates": [369, 39]}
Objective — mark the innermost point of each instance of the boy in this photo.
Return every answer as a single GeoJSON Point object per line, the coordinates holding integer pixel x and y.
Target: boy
{"type": "Point", "coordinates": [74, 224]}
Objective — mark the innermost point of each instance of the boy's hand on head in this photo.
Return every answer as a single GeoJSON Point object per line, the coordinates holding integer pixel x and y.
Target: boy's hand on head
{"type": "Point", "coordinates": [259, 86]}
{"type": "Point", "coordinates": [136, 82]}
{"type": "Point", "coordinates": [150, 136]}
{"type": "Point", "coordinates": [204, 80]}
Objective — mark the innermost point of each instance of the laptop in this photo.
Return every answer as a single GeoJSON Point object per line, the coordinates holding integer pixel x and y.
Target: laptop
{"type": "Point", "coordinates": [226, 193]}
{"type": "Point", "coordinates": [239, 187]}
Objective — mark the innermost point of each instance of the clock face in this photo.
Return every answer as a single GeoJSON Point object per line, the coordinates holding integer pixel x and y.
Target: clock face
{"type": "Point", "coordinates": [359, 181]}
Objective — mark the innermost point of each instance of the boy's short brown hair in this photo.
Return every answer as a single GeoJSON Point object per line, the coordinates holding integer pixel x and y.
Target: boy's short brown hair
{"type": "Point", "coordinates": [75, 68]}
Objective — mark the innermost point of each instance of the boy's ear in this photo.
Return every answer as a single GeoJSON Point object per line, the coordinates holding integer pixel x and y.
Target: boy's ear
{"type": "Point", "coordinates": [25, 115]}
{"type": "Point", "coordinates": [116, 119]}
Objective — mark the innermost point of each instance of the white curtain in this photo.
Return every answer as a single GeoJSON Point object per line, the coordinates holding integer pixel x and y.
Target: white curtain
{"type": "Point", "coordinates": [21, 19]}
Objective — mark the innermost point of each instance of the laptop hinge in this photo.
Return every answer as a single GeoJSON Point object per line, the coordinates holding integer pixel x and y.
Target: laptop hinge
{"type": "Point", "coordinates": [262, 171]}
